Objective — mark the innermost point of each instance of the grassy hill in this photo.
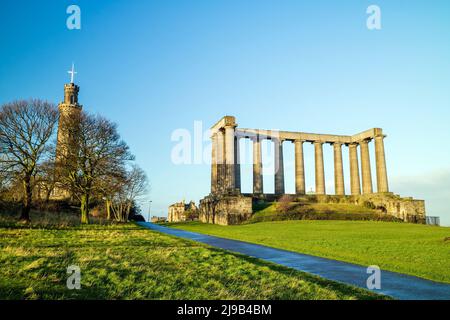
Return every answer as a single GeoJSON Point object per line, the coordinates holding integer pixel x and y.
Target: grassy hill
{"type": "Point", "coordinates": [275, 211]}
{"type": "Point", "coordinates": [413, 249]}
{"type": "Point", "coordinates": [125, 261]}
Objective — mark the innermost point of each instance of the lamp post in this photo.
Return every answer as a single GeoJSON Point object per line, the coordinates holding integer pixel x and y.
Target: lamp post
{"type": "Point", "coordinates": [149, 207]}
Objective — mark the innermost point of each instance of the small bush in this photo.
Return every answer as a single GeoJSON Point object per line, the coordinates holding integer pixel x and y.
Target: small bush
{"type": "Point", "coordinates": [191, 214]}
{"type": "Point", "coordinates": [369, 205]}
{"type": "Point", "coordinates": [285, 204]}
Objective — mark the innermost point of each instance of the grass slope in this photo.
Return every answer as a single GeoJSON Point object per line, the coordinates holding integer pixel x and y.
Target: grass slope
{"type": "Point", "coordinates": [302, 210]}
{"type": "Point", "coordinates": [407, 248]}
{"type": "Point", "coordinates": [129, 262]}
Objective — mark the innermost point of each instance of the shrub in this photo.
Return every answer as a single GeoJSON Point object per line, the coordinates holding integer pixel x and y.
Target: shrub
{"type": "Point", "coordinates": [369, 205]}
{"type": "Point", "coordinates": [285, 204]}
{"type": "Point", "coordinates": [191, 214]}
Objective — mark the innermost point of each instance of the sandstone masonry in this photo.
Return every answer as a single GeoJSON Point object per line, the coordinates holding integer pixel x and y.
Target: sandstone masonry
{"type": "Point", "coordinates": [227, 205]}
{"type": "Point", "coordinates": [180, 212]}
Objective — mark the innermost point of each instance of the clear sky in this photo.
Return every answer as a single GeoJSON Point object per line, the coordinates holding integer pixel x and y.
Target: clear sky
{"type": "Point", "coordinates": [155, 67]}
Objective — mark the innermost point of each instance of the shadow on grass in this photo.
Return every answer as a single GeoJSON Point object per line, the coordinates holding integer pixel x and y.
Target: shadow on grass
{"type": "Point", "coordinates": [343, 289]}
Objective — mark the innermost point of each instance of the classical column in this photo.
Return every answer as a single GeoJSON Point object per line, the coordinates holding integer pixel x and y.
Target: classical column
{"type": "Point", "coordinates": [229, 159]}
{"type": "Point", "coordinates": [299, 168]}
{"type": "Point", "coordinates": [338, 169]}
{"type": "Point", "coordinates": [214, 163]}
{"type": "Point", "coordinates": [279, 166]}
{"type": "Point", "coordinates": [257, 166]}
{"type": "Point", "coordinates": [220, 161]}
{"type": "Point", "coordinates": [237, 161]}
{"type": "Point", "coordinates": [365, 167]}
{"type": "Point", "coordinates": [354, 170]}
{"type": "Point", "coordinates": [320, 171]}
{"type": "Point", "coordinates": [382, 179]}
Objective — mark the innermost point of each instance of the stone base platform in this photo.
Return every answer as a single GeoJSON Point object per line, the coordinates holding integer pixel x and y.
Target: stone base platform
{"type": "Point", "coordinates": [407, 209]}
{"type": "Point", "coordinates": [225, 209]}
{"type": "Point", "coordinates": [235, 209]}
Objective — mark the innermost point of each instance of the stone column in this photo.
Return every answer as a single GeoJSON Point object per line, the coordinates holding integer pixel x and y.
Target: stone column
{"type": "Point", "coordinates": [257, 166]}
{"type": "Point", "coordinates": [299, 168]}
{"type": "Point", "coordinates": [220, 161]}
{"type": "Point", "coordinates": [279, 166]}
{"type": "Point", "coordinates": [237, 161]}
{"type": "Point", "coordinates": [229, 159]}
{"type": "Point", "coordinates": [365, 167]}
{"type": "Point", "coordinates": [320, 171]}
{"type": "Point", "coordinates": [214, 163]}
{"type": "Point", "coordinates": [382, 179]}
{"type": "Point", "coordinates": [354, 169]}
{"type": "Point", "coordinates": [338, 169]}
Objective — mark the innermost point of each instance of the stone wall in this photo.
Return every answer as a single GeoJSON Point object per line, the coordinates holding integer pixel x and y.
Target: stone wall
{"type": "Point", "coordinates": [178, 212]}
{"type": "Point", "coordinates": [225, 210]}
{"type": "Point", "coordinates": [407, 209]}
{"type": "Point", "coordinates": [156, 219]}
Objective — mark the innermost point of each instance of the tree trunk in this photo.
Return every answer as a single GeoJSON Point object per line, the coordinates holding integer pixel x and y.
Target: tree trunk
{"type": "Point", "coordinates": [27, 198]}
{"type": "Point", "coordinates": [85, 208]}
{"type": "Point", "coordinates": [48, 194]}
{"type": "Point", "coordinates": [108, 210]}
{"type": "Point", "coordinates": [127, 212]}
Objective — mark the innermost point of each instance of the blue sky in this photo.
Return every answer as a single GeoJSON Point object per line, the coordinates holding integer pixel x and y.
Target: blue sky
{"type": "Point", "coordinates": [157, 66]}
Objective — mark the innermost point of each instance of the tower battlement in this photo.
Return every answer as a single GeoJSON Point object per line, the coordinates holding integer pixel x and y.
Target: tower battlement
{"type": "Point", "coordinates": [71, 91]}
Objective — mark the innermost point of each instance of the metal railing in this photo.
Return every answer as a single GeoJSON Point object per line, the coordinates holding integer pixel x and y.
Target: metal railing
{"type": "Point", "coordinates": [433, 221]}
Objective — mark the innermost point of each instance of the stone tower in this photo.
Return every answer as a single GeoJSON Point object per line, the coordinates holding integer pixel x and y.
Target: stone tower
{"type": "Point", "coordinates": [69, 112]}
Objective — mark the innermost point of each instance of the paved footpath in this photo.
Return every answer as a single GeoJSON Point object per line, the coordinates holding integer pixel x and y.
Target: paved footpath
{"type": "Point", "coordinates": [397, 285]}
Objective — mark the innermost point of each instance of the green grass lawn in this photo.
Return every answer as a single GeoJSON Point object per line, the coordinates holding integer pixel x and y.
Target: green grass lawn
{"type": "Point", "coordinates": [413, 249]}
{"type": "Point", "coordinates": [125, 261]}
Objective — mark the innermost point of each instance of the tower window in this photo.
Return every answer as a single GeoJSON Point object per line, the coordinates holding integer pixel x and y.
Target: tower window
{"type": "Point", "coordinates": [72, 99]}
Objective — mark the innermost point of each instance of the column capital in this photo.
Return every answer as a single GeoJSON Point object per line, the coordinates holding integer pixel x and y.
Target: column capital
{"type": "Point", "coordinates": [277, 139]}
{"type": "Point", "coordinates": [232, 126]}
{"type": "Point", "coordinates": [364, 141]}
{"type": "Point", "coordinates": [256, 138]}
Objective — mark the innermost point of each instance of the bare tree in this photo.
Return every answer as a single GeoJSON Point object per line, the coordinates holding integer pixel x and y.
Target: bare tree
{"type": "Point", "coordinates": [95, 153]}
{"type": "Point", "coordinates": [108, 187]}
{"type": "Point", "coordinates": [46, 178]}
{"type": "Point", "coordinates": [25, 129]}
{"type": "Point", "coordinates": [132, 188]}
